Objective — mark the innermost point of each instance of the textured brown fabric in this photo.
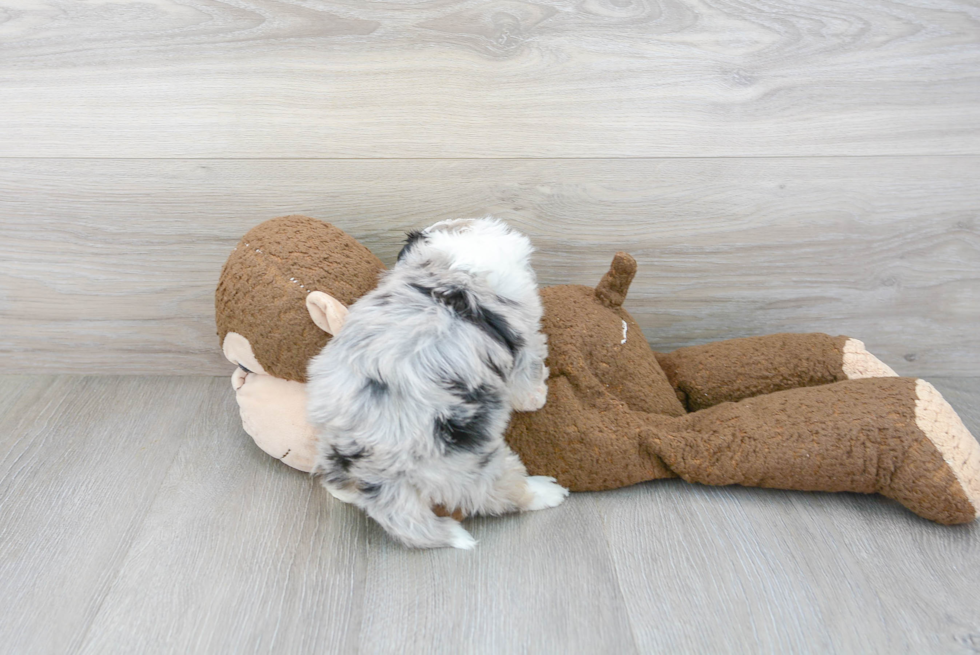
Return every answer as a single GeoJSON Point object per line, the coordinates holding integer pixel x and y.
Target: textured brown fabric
{"type": "Point", "coordinates": [612, 288]}
{"type": "Point", "coordinates": [584, 446]}
{"type": "Point", "coordinates": [741, 368]}
{"type": "Point", "coordinates": [585, 345]}
{"type": "Point", "coordinates": [855, 435]}
{"type": "Point", "coordinates": [259, 294]}
{"type": "Point", "coordinates": [611, 419]}
{"type": "Point", "coordinates": [586, 434]}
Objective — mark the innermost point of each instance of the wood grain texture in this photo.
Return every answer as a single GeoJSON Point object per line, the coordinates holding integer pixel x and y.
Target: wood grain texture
{"type": "Point", "coordinates": [495, 599]}
{"type": "Point", "coordinates": [751, 570]}
{"type": "Point", "coordinates": [81, 460]}
{"type": "Point", "coordinates": [239, 554]}
{"type": "Point", "coordinates": [110, 265]}
{"type": "Point", "coordinates": [507, 78]}
{"type": "Point", "coordinates": [136, 516]}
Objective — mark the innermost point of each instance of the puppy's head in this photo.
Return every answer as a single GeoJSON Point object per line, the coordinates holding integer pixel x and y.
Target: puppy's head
{"type": "Point", "coordinates": [480, 246]}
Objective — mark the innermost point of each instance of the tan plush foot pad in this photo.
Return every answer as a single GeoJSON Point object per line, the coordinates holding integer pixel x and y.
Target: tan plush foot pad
{"type": "Point", "coordinates": [859, 363]}
{"type": "Point", "coordinates": [942, 425]}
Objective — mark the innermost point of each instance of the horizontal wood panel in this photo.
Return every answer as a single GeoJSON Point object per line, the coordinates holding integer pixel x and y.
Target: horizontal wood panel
{"type": "Point", "coordinates": [109, 266]}
{"type": "Point", "coordinates": [505, 78]}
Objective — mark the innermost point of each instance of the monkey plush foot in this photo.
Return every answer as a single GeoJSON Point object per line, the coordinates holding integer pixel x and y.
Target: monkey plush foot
{"type": "Point", "coordinates": [943, 428]}
{"type": "Point", "coordinates": [894, 436]}
{"type": "Point", "coordinates": [859, 363]}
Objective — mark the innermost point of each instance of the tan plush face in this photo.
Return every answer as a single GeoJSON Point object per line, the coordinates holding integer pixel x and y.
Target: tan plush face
{"type": "Point", "coordinates": [283, 293]}
{"type": "Point", "coordinates": [273, 410]}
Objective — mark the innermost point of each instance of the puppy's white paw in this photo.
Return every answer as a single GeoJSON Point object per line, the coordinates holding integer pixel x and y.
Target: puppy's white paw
{"type": "Point", "coordinates": [460, 538]}
{"type": "Point", "coordinates": [547, 492]}
{"type": "Point", "coordinates": [343, 495]}
{"type": "Point", "coordinates": [533, 401]}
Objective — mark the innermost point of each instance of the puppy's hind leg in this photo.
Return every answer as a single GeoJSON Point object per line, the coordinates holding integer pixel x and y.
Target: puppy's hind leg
{"type": "Point", "coordinates": [398, 508]}
{"type": "Point", "coordinates": [512, 490]}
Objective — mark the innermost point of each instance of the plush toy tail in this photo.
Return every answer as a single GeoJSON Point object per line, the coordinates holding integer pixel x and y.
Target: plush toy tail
{"type": "Point", "coordinates": [613, 286]}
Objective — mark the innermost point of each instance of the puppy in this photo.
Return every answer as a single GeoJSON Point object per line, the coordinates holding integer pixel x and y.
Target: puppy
{"type": "Point", "coordinates": [411, 399]}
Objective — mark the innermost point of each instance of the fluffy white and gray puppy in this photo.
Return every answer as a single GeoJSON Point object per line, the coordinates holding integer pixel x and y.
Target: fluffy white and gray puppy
{"type": "Point", "coordinates": [411, 399]}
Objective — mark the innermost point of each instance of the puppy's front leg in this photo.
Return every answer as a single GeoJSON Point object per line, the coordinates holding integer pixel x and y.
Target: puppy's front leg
{"type": "Point", "coordinates": [397, 508]}
{"type": "Point", "coordinates": [528, 380]}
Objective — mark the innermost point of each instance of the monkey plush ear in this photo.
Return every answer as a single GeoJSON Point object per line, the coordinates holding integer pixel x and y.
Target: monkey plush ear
{"type": "Point", "coordinates": [326, 311]}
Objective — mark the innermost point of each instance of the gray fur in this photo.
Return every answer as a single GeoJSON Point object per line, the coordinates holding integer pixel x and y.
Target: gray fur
{"type": "Point", "coordinates": [411, 399]}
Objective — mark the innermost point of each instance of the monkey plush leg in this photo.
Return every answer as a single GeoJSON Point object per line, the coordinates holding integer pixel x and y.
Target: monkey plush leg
{"type": "Point", "coordinates": [894, 436]}
{"type": "Point", "coordinates": [742, 368]}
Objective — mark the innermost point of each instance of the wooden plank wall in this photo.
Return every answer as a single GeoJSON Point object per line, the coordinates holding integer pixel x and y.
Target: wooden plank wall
{"type": "Point", "coordinates": [789, 165]}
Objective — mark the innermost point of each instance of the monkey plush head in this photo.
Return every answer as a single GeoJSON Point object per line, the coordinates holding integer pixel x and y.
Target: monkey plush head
{"type": "Point", "coordinates": [283, 292]}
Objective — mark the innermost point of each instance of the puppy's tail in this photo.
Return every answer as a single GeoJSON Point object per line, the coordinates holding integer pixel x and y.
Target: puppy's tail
{"type": "Point", "coordinates": [612, 288]}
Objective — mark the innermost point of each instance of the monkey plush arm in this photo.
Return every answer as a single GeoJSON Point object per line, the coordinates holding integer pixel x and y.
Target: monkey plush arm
{"type": "Point", "coordinates": [731, 370]}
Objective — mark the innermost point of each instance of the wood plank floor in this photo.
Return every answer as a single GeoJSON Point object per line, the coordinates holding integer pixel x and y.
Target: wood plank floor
{"type": "Point", "coordinates": [137, 517]}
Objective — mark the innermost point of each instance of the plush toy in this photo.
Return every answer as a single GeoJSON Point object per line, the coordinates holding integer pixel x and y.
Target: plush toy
{"type": "Point", "coordinates": [786, 411]}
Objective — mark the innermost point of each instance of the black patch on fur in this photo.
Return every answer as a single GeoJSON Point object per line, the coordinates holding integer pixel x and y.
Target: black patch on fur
{"type": "Point", "coordinates": [483, 395]}
{"type": "Point", "coordinates": [410, 239]}
{"type": "Point", "coordinates": [369, 489]}
{"type": "Point", "coordinates": [498, 328]}
{"type": "Point", "coordinates": [461, 434]}
{"type": "Point", "coordinates": [466, 428]}
{"type": "Point", "coordinates": [486, 458]}
{"type": "Point", "coordinates": [493, 366]}
{"type": "Point", "coordinates": [455, 387]}
{"type": "Point", "coordinates": [462, 303]}
{"type": "Point", "coordinates": [425, 291]}
{"type": "Point", "coordinates": [377, 388]}
{"type": "Point", "coordinates": [342, 461]}
{"type": "Point", "coordinates": [456, 299]}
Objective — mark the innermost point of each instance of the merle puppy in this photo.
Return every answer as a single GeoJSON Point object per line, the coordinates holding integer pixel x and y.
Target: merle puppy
{"type": "Point", "coordinates": [411, 399]}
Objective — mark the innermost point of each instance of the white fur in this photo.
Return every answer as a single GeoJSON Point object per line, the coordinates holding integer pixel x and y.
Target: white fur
{"type": "Point", "coordinates": [547, 492]}
{"type": "Point", "coordinates": [488, 248]}
{"type": "Point", "coordinates": [411, 399]}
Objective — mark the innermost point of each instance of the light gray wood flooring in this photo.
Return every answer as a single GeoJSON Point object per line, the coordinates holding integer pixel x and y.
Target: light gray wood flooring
{"type": "Point", "coordinates": [137, 517]}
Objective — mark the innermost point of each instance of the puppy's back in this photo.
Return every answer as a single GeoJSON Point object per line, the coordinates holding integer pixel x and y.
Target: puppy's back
{"type": "Point", "coordinates": [407, 367]}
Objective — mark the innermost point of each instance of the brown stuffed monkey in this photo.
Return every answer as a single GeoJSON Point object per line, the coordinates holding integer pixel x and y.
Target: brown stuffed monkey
{"type": "Point", "coordinates": [787, 411]}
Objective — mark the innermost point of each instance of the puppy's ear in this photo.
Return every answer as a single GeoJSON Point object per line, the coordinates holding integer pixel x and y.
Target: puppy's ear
{"type": "Point", "coordinates": [326, 311]}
